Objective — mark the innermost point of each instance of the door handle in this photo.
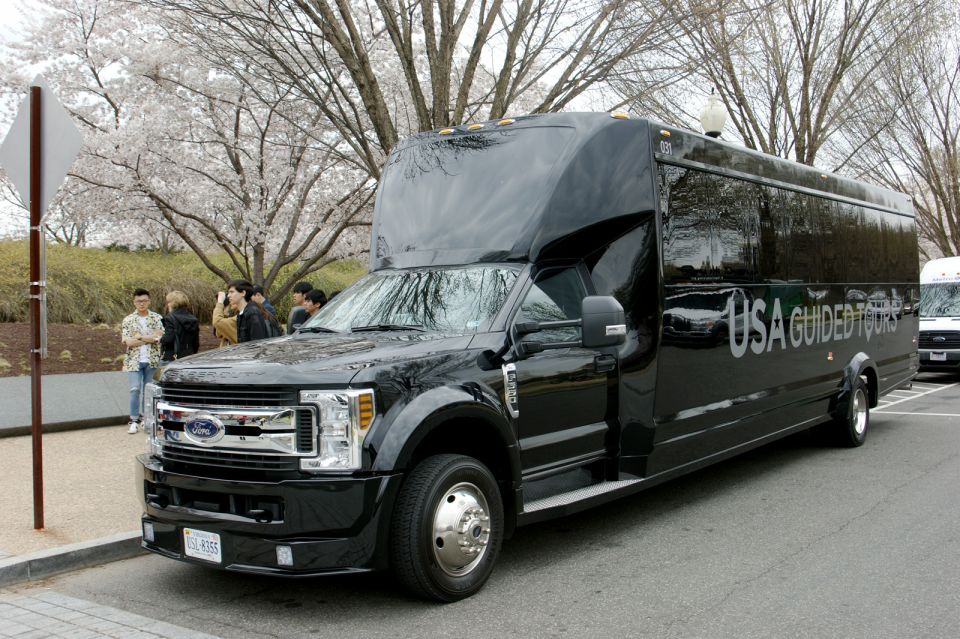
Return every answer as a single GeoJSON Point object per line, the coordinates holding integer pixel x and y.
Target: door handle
{"type": "Point", "coordinates": [604, 363]}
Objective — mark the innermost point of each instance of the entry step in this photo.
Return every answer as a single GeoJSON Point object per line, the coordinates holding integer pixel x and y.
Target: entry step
{"type": "Point", "coordinates": [580, 494]}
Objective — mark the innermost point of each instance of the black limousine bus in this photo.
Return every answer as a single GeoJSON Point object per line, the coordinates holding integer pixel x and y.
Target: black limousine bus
{"type": "Point", "coordinates": [561, 310]}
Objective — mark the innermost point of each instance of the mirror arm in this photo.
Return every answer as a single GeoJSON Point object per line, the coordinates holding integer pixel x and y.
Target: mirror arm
{"type": "Point", "coordinates": [574, 323]}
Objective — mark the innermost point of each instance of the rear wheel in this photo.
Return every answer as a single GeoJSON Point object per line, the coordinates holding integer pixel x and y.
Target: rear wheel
{"type": "Point", "coordinates": [447, 528]}
{"type": "Point", "coordinates": [851, 430]}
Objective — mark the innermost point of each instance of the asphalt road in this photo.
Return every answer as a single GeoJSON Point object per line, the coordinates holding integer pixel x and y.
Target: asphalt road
{"type": "Point", "coordinates": [791, 540]}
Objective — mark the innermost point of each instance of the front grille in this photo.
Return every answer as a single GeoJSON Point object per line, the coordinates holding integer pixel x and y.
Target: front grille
{"type": "Point", "coordinates": [220, 459]}
{"type": "Point", "coordinates": [247, 451]}
{"type": "Point", "coordinates": [305, 438]}
{"type": "Point", "coordinates": [234, 396]}
{"type": "Point", "coordinates": [939, 340]}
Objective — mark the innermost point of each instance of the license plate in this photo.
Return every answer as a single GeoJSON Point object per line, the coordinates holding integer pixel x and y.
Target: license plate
{"type": "Point", "coordinates": [938, 357]}
{"type": "Point", "coordinates": [201, 544]}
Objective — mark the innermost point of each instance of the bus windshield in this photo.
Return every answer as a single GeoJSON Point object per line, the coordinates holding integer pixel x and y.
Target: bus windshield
{"type": "Point", "coordinates": [453, 300]}
{"type": "Point", "coordinates": [941, 299]}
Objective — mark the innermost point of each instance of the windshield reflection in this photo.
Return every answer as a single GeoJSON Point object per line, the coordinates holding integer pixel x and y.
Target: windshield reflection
{"type": "Point", "coordinates": [447, 300]}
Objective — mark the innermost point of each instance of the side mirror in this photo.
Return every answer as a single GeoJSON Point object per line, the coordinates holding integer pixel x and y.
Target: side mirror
{"type": "Point", "coordinates": [604, 323]}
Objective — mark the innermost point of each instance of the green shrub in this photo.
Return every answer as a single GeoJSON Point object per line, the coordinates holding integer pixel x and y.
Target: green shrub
{"type": "Point", "coordinates": [88, 285]}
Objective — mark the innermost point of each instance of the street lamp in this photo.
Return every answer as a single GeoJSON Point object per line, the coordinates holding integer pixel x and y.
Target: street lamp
{"type": "Point", "coordinates": [713, 117]}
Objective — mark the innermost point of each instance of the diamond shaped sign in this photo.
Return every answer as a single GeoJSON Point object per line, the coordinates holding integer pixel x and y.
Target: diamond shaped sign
{"type": "Point", "coordinates": [60, 142]}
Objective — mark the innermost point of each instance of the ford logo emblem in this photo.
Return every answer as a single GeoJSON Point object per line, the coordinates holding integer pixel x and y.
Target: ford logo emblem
{"type": "Point", "coordinates": [204, 428]}
{"type": "Point", "coordinates": [939, 338]}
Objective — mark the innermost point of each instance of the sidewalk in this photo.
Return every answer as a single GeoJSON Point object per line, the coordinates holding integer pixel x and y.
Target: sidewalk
{"type": "Point", "coordinates": [69, 401]}
{"type": "Point", "coordinates": [91, 507]}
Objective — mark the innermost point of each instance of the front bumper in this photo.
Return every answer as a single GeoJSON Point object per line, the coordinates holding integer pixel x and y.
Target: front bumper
{"type": "Point", "coordinates": [928, 364]}
{"type": "Point", "coordinates": [332, 524]}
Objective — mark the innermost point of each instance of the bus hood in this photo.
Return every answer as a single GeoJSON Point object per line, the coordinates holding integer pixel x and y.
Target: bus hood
{"type": "Point", "coordinates": [309, 359]}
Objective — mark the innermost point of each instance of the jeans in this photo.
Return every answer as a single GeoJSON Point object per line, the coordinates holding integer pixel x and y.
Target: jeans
{"type": "Point", "coordinates": [137, 380]}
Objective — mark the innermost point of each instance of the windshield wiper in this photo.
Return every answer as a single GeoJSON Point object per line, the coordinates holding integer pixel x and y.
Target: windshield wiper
{"type": "Point", "coordinates": [387, 327]}
{"type": "Point", "coordinates": [316, 329]}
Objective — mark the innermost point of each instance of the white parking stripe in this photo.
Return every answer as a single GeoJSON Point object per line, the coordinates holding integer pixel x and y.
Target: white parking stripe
{"type": "Point", "coordinates": [893, 412]}
{"type": "Point", "coordinates": [929, 392]}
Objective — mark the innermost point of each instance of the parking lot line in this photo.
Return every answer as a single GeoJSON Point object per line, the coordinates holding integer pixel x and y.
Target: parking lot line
{"type": "Point", "coordinates": [893, 412]}
{"type": "Point", "coordinates": [883, 406]}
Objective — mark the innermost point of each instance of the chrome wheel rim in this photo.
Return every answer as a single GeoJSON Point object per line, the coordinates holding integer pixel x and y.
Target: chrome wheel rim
{"type": "Point", "coordinates": [461, 529]}
{"type": "Point", "coordinates": [859, 412]}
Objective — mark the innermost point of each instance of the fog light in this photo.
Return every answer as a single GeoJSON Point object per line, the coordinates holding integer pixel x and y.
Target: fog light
{"type": "Point", "coordinates": [284, 556]}
{"type": "Point", "coordinates": [148, 532]}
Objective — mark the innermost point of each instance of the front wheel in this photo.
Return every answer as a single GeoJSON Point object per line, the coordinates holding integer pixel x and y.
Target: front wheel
{"type": "Point", "coordinates": [447, 528]}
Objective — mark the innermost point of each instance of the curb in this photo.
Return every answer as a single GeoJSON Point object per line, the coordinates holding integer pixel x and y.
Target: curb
{"type": "Point", "coordinates": [46, 563]}
{"type": "Point", "coordinates": [59, 427]}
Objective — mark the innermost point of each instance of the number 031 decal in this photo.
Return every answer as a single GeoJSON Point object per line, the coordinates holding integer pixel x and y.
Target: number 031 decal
{"type": "Point", "coordinates": [665, 147]}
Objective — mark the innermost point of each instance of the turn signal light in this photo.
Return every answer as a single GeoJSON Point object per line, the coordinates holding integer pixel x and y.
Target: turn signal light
{"type": "Point", "coordinates": [365, 404]}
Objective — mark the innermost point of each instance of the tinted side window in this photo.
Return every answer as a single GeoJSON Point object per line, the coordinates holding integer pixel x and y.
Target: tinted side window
{"type": "Point", "coordinates": [556, 295]}
{"type": "Point", "coordinates": [722, 229]}
{"type": "Point", "coordinates": [711, 227]}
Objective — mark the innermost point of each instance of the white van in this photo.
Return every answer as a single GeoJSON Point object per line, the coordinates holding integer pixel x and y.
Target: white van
{"type": "Point", "coordinates": [939, 346]}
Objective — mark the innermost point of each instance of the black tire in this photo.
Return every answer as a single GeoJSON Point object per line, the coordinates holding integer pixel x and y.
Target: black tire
{"type": "Point", "coordinates": [851, 430]}
{"type": "Point", "coordinates": [442, 490]}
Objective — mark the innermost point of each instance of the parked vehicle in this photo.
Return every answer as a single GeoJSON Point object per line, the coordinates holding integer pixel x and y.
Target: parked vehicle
{"type": "Point", "coordinates": [702, 317]}
{"type": "Point", "coordinates": [939, 344]}
{"type": "Point", "coordinates": [508, 358]}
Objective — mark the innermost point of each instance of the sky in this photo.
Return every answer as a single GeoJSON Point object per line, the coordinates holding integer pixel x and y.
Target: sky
{"type": "Point", "coordinates": [11, 15]}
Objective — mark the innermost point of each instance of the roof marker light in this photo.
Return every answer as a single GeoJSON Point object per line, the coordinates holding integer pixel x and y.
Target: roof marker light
{"type": "Point", "coordinates": [474, 127]}
{"type": "Point", "coordinates": [620, 115]}
{"type": "Point", "coordinates": [664, 133]}
{"type": "Point", "coordinates": [446, 131]}
{"type": "Point", "coordinates": [823, 176]}
{"type": "Point", "coordinates": [506, 121]}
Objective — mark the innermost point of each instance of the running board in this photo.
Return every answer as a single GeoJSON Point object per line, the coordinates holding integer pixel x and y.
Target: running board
{"type": "Point", "coordinates": [587, 493]}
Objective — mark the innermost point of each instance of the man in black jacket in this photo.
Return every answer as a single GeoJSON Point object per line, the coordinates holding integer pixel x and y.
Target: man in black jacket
{"type": "Point", "coordinates": [251, 323]}
{"type": "Point", "coordinates": [298, 314]}
{"type": "Point", "coordinates": [181, 330]}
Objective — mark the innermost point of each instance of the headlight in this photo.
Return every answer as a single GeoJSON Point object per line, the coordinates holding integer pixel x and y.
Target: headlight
{"type": "Point", "coordinates": [345, 418]}
{"type": "Point", "coordinates": [151, 393]}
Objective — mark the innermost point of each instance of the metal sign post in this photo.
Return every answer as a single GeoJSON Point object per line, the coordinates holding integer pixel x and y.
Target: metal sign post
{"type": "Point", "coordinates": [36, 154]}
{"type": "Point", "coordinates": [36, 291]}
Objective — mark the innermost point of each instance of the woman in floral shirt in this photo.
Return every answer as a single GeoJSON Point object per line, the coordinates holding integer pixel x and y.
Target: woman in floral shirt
{"type": "Point", "coordinates": [140, 333]}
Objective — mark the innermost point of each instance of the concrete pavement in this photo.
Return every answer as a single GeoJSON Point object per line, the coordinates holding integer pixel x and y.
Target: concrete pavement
{"type": "Point", "coordinates": [91, 509]}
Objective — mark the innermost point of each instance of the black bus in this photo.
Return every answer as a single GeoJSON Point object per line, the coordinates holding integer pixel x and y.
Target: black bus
{"type": "Point", "coordinates": [560, 310]}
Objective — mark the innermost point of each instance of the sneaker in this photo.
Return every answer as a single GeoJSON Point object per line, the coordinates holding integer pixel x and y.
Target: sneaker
{"type": "Point", "coordinates": [133, 428]}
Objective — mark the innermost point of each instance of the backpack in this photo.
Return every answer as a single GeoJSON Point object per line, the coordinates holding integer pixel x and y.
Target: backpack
{"type": "Point", "coordinates": [186, 338]}
{"type": "Point", "coordinates": [273, 327]}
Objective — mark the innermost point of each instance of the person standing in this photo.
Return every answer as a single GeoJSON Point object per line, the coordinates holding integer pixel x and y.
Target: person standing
{"type": "Point", "coordinates": [140, 332]}
{"type": "Point", "coordinates": [298, 314]}
{"type": "Point", "coordinates": [262, 300]}
{"type": "Point", "coordinates": [313, 301]}
{"type": "Point", "coordinates": [224, 326]}
{"type": "Point", "coordinates": [181, 330]}
{"type": "Point", "coordinates": [251, 324]}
